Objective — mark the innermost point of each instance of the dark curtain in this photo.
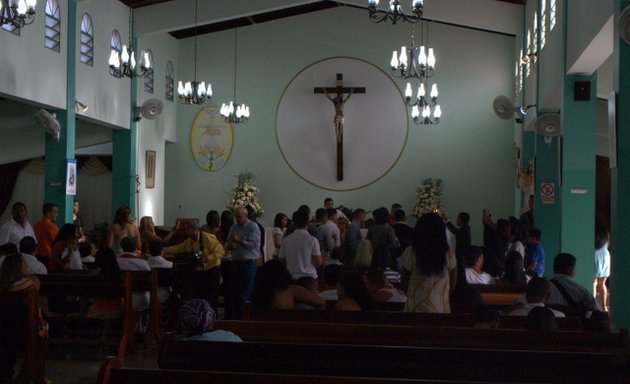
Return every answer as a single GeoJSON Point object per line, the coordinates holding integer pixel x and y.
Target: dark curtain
{"type": "Point", "coordinates": [8, 178]}
{"type": "Point", "coordinates": [106, 160]}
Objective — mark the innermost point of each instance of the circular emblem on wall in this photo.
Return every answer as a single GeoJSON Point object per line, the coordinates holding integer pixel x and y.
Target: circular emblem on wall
{"type": "Point", "coordinates": [341, 123]}
{"type": "Point", "coordinates": [210, 139]}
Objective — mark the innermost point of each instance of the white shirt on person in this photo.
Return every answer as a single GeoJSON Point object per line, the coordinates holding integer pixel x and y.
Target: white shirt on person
{"type": "Point", "coordinates": [159, 262]}
{"type": "Point", "coordinates": [13, 232]}
{"type": "Point", "coordinates": [524, 310]}
{"type": "Point", "coordinates": [298, 249]}
{"type": "Point", "coordinates": [34, 266]}
{"type": "Point", "coordinates": [140, 300]}
{"type": "Point", "coordinates": [72, 260]}
{"type": "Point", "coordinates": [474, 277]}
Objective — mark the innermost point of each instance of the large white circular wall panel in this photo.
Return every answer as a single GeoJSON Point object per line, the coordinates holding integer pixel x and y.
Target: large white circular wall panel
{"type": "Point", "coordinates": [374, 130]}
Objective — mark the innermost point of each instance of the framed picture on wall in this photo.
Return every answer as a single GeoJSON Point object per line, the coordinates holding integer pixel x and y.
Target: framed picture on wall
{"type": "Point", "coordinates": [71, 177]}
{"type": "Point", "coordinates": [149, 165]}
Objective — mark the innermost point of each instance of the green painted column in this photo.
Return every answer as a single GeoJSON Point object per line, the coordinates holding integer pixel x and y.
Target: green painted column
{"type": "Point", "coordinates": [547, 213]}
{"type": "Point", "coordinates": [579, 122]}
{"type": "Point", "coordinates": [124, 158]}
{"type": "Point", "coordinates": [58, 152]}
{"type": "Point", "coordinates": [620, 195]}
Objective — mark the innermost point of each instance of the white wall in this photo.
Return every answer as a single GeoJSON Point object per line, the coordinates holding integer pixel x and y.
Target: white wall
{"type": "Point", "coordinates": [551, 68]}
{"type": "Point", "coordinates": [471, 149]}
{"type": "Point", "coordinates": [585, 20]}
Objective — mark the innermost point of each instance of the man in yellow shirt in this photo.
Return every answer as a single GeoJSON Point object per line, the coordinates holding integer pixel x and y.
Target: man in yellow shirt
{"type": "Point", "coordinates": [207, 251]}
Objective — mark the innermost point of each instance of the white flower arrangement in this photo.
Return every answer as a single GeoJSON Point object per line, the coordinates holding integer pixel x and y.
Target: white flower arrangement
{"type": "Point", "coordinates": [428, 197]}
{"type": "Point", "coordinates": [244, 194]}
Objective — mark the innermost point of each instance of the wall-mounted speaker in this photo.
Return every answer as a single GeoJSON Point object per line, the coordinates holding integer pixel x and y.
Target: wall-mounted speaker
{"type": "Point", "coordinates": [582, 91]}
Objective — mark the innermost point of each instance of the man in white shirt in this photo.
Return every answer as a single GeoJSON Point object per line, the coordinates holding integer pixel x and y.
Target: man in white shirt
{"type": "Point", "coordinates": [300, 250]}
{"type": "Point", "coordinates": [565, 292]}
{"type": "Point", "coordinates": [27, 247]}
{"type": "Point", "coordinates": [474, 273]}
{"type": "Point", "coordinates": [536, 294]}
{"type": "Point", "coordinates": [156, 258]}
{"type": "Point", "coordinates": [326, 233]}
{"type": "Point", "coordinates": [128, 262]}
{"type": "Point", "coordinates": [18, 227]}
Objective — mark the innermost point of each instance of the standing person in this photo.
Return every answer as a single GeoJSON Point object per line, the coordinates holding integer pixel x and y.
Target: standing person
{"type": "Point", "coordinates": [526, 221]}
{"type": "Point", "coordinates": [148, 234]}
{"type": "Point", "coordinates": [46, 230]}
{"type": "Point", "coordinates": [76, 219]}
{"type": "Point", "coordinates": [383, 239]}
{"type": "Point", "coordinates": [122, 227]}
{"type": "Point", "coordinates": [280, 223]}
{"type": "Point", "coordinates": [325, 233]}
{"type": "Point", "coordinates": [18, 227]}
{"type": "Point", "coordinates": [300, 250]}
{"type": "Point", "coordinates": [251, 215]}
{"type": "Point", "coordinates": [213, 221]}
{"type": "Point", "coordinates": [227, 221]}
{"type": "Point", "coordinates": [243, 241]}
{"type": "Point", "coordinates": [208, 252]}
{"type": "Point", "coordinates": [462, 234]}
{"type": "Point", "coordinates": [429, 272]}
{"type": "Point", "coordinates": [392, 211]}
{"type": "Point", "coordinates": [535, 258]}
{"type": "Point", "coordinates": [404, 234]}
{"type": "Point", "coordinates": [353, 236]}
{"type": "Point", "coordinates": [602, 265]}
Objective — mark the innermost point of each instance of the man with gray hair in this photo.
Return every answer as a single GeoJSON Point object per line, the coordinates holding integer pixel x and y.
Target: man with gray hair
{"type": "Point", "coordinates": [243, 241]}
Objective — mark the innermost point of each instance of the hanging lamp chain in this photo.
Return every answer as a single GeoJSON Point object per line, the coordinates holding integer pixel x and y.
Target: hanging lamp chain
{"type": "Point", "coordinates": [235, 59]}
{"type": "Point", "coordinates": [195, 54]}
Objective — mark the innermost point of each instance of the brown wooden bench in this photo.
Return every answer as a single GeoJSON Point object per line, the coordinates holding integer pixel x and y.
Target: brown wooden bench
{"type": "Point", "coordinates": [497, 296]}
{"type": "Point", "coordinates": [427, 363]}
{"type": "Point", "coordinates": [86, 285]}
{"type": "Point", "coordinates": [403, 335]}
{"type": "Point", "coordinates": [453, 320]}
{"type": "Point", "coordinates": [22, 310]}
{"type": "Point", "coordinates": [111, 372]}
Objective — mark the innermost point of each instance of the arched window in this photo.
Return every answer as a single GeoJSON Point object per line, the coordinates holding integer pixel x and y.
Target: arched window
{"type": "Point", "coordinates": [528, 50]}
{"type": "Point", "coordinates": [170, 81]}
{"type": "Point", "coordinates": [52, 25]}
{"type": "Point", "coordinates": [543, 24]}
{"type": "Point", "coordinates": [114, 42]}
{"type": "Point", "coordinates": [148, 81]}
{"type": "Point", "coordinates": [535, 34]}
{"type": "Point", "coordinates": [87, 40]}
{"type": "Point", "coordinates": [552, 14]}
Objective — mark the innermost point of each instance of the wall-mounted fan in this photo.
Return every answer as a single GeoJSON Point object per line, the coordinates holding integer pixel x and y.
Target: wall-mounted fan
{"type": "Point", "coordinates": [624, 25]}
{"type": "Point", "coordinates": [504, 109]}
{"type": "Point", "coordinates": [49, 122]}
{"type": "Point", "coordinates": [548, 125]}
{"type": "Point", "coordinates": [150, 110]}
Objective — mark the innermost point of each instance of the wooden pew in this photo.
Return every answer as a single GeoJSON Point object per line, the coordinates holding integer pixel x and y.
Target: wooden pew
{"type": "Point", "coordinates": [465, 364]}
{"type": "Point", "coordinates": [497, 296]}
{"type": "Point", "coordinates": [418, 336]}
{"type": "Point", "coordinates": [86, 285]}
{"type": "Point", "coordinates": [111, 372]}
{"type": "Point", "coordinates": [23, 309]}
{"type": "Point", "coordinates": [452, 320]}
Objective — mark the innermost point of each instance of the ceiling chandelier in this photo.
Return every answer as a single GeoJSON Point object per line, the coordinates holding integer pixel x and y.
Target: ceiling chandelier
{"type": "Point", "coordinates": [395, 11]}
{"type": "Point", "coordinates": [123, 63]}
{"type": "Point", "coordinates": [233, 112]}
{"type": "Point", "coordinates": [194, 92]}
{"type": "Point", "coordinates": [418, 63]}
{"type": "Point", "coordinates": [17, 13]}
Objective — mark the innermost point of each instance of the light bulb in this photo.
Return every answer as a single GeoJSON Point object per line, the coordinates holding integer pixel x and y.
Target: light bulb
{"type": "Point", "coordinates": [403, 57]}
{"type": "Point", "coordinates": [124, 56]}
{"type": "Point", "coordinates": [31, 4]}
{"type": "Point", "coordinates": [438, 112]}
{"type": "Point", "coordinates": [114, 61]}
{"type": "Point", "coordinates": [239, 111]}
{"type": "Point", "coordinates": [132, 62]}
{"type": "Point", "coordinates": [21, 9]}
{"type": "Point", "coordinates": [180, 88]}
{"type": "Point", "coordinates": [188, 89]}
{"type": "Point", "coordinates": [231, 107]}
{"type": "Point", "coordinates": [392, 6]}
{"type": "Point", "coordinates": [247, 112]}
{"type": "Point", "coordinates": [147, 60]}
{"type": "Point", "coordinates": [434, 91]}
{"type": "Point", "coordinates": [408, 91]}
{"type": "Point", "coordinates": [223, 110]}
{"type": "Point", "coordinates": [431, 58]}
{"type": "Point", "coordinates": [373, 2]}
{"type": "Point", "coordinates": [417, 3]}
{"type": "Point", "coordinates": [421, 91]}
{"type": "Point", "coordinates": [422, 56]}
{"type": "Point", "coordinates": [201, 89]}
{"type": "Point", "coordinates": [209, 90]}
{"type": "Point", "coordinates": [415, 112]}
{"type": "Point", "coordinates": [426, 112]}
{"type": "Point", "coordinates": [394, 62]}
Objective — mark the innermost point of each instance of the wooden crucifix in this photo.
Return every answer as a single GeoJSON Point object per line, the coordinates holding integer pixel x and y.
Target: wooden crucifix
{"type": "Point", "coordinates": [340, 95]}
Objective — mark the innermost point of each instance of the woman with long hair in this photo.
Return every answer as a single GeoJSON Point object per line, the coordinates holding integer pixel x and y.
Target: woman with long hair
{"type": "Point", "coordinates": [122, 227]}
{"type": "Point", "coordinates": [514, 275]}
{"type": "Point", "coordinates": [429, 270]}
{"type": "Point", "coordinates": [280, 223]}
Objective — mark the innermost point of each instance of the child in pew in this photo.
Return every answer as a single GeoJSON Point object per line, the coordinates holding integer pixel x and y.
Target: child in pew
{"type": "Point", "coordinates": [197, 318]}
{"type": "Point", "coordinates": [536, 294]}
{"type": "Point", "coordinates": [380, 289]}
{"type": "Point", "coordinates": [274, 288]}
{"type": "Point", "coordinates": [70, 256]}
{"type": "Point", "coordinates": [87, 250]}
{"type": "Point", "coordinates": [353, 296]}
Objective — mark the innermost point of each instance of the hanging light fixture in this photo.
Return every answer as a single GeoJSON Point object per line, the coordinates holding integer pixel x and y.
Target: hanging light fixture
{"type": "Point", "coordinates": [194, 92]}
{"type": "Point", "coordinates": [233, 112]}
{"type": "Point", "coordinates": [395, 11]}
{"type": "Point", "coordinates": [123, 63]}
{"type": "Point", "coordinates": [17, 13]}
{"type": "Point", "coordinates": [418, 63]}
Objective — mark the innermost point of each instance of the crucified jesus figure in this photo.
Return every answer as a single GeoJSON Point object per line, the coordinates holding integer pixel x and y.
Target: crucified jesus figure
{"type": "Point", "coordinates": [339, 95]}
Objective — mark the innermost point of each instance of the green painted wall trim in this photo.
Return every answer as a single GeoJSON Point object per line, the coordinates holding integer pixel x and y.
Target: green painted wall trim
{"type": "Point", "coordinates": [547, 216]}
{"type": "Point", "coordinates": [579, 122]}
{"type": "Point", "coordinates": [57, 152]}
{"type": "Point", "coordinates": [620, 210]}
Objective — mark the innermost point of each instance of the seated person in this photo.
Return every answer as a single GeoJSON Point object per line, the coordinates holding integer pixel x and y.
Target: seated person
{"type": "Point", "coordinates": [127, 251]}
{"type": "Point", "coordinates": [87, 250]}
{"type": "Point", "coordinates": [274, 288]}
{"type": "Point", "coordinates": [106, 308]}
{"type": "Point", "coordinates": [70, 256]}
{"type": "Point", "coordinates": [129, 262]}
{"type": "Point", "coordinates": [330, 284]}
{"type": "Point", "coordinates": [566, 293]}
{"type": "Point", "coordinates": [474, 271]}
{"type": "Point", "coordinates": [514, 275]}
{"type": "Point", "coordinates": [537, 292]}
{"type": "Point", "coordinates": [380, 289]}
{"type": "Point", "coordinates": [156, 255]}
{"type": "Point", "coordinates": [197, 318]}
{"type": "Point", "coordinates": [27, 247]}
{"type": "Point", "coordinates": [14, 275]}
{"type": "Point", "coordinates": [310, 285]}
{"type": "Point", "coordinates": [353, 296]}
{"type": "Point", "coordinates": [541, 319]}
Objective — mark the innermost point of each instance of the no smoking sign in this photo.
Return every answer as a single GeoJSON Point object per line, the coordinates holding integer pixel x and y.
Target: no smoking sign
{"type": "Point", "coordinates": [547, 193]}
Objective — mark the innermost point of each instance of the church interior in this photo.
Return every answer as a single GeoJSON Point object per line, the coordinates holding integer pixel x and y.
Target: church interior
{"type": "Point", "coordinates": [519, 98]}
